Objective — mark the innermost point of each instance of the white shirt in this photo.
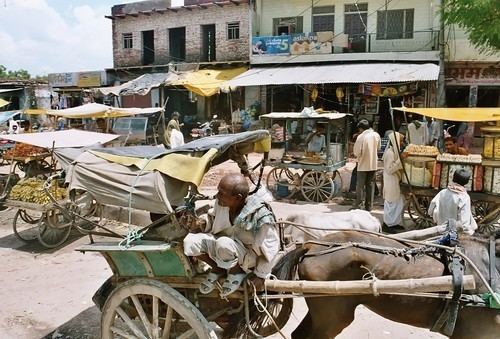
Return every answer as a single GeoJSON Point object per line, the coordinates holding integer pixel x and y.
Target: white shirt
{"type": "Point", "coordinates": [418, 135]}
{"type": "Point", "coordinates": [365, 150]}
{"type": "Point", "coordinates": [448, 204]}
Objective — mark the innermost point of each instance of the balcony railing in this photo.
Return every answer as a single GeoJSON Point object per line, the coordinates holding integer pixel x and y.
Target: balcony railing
{"type": "Point", "coordinates": [313, 43]}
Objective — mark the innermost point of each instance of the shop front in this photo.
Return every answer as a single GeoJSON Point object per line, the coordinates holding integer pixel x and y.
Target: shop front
{"type": "Point", "coordinates": [363, 90]}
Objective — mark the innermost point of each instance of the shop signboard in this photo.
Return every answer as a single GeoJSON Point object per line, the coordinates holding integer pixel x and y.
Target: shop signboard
{"type": "Point", "coordinates": [473, 73]}
{"type": "Point", "coordinates": [77, 79]}
{"type": "Point", "coordinates": [62, 79]}
{"type": "Point", "coordinates": [271, 45]}
{"type": "Point", "coordinates": [89, 79]}
{"type": "Point", "coordinates": [396, 90]}
{"type": "Point", "coordinates": [311, 43]}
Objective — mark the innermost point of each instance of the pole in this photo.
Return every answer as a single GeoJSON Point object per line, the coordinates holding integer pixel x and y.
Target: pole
{"type": "Point", "coordinates": [441, 90]}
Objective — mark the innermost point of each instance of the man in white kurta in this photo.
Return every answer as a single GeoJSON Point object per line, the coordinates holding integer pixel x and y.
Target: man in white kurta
{"type": "Point", "coordinates": [393, 171]}
{"type": "Point", "coordinates": [365, 151]}
{"type": "Point", "coordinates": [453, 202]}
{"type": "Point", "coordinates": [238, 236]}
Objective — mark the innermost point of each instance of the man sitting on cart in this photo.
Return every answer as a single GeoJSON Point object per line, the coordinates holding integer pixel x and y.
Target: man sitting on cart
{"type": "Point", "coordinates": [451, 146]}
{"type": "Point", "coordinates": [237, 237]}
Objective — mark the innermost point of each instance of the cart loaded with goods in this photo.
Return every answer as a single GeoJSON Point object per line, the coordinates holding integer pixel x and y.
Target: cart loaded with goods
{"type": "Point", "coordinates": [297, 172]}
{"type": "Point", "coordinates": [30, 186]}
{"type": "Point", "coordinates": [427, 171]}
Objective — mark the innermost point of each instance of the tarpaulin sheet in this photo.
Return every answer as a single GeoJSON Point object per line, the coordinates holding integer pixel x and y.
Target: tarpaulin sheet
{"type": "Point", "coordinates": [6, 116]}
{"type": "Point", "coordinates": [141, 85]}
{"type": "Point", "coordinates": [207, 82]}
{"type": "Point", "coordinates": [95, 110]}
{"type": "Point", "coordinates": [466, 114]}
{"type": "Point", "coordinates": [3, 102]}
{"type": "Point", "coordinates": [61, 139]}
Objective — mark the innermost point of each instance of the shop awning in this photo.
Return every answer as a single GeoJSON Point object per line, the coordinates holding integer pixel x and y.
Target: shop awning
{"type": "Point", "coordinates": [5, 116]}
{"type": "Point", "coordinates": [466, 114]}
{"type": "Point", "coordinates": [315, 116]}
{"type": "Point", "coordinates": [3, 102]}
{"type": "Point", "coordinates": [95, 110]}
{"type": "Point", "coordinates": [61, 139]}
{"type": "Point", "coordinates": [207, 82]}
{"type": "Point", "coordinates": [141, 85]}
{"type": "Point", "coordinates": [336, 74]}
{"type": "Point", "coordinates": [5, 90]}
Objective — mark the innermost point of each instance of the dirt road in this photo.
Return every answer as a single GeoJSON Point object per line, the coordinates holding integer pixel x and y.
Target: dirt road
{"type": "Point", "coordinates": [48, 293]}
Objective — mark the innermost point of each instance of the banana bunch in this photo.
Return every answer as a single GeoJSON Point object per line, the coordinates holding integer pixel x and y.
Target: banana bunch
{"type": "Point", "coordinates": [31, 190]}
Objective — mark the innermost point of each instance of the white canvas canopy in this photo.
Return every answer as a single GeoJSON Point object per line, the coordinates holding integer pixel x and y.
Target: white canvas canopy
{"type": "Point", "coordinates": [141, 85]}
{"type": "Point", "coordinates": [95, 110]}
{"type": "Point", "coordinates": [61, 139]}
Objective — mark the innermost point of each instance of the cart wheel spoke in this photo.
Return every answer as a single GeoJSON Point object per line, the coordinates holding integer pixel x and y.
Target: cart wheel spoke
{"type": "Point", "coordinates": [317, 186]}
{"type": "Point", "coordinates": [27, 232]}
{"type": "Point", "coordinates": [168, 323]}
{"type": "Point", "coordinates": [142, 314]}
{"type": "Point", "coordinates": [130, 324]}
{"type": "Point", "coordinates": [52, 237]}
{"type": "Point", "coordinates": [121, 333]}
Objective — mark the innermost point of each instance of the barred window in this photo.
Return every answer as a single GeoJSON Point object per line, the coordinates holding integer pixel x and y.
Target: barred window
{"type": "Point", "coordinates": [233, 30]}
{"type": "Point", "coordinates": [127, 40]}
{"type": "Point", "coordinates": [323, 18]}
{"type": "Point", "coordinates": [395, 24]}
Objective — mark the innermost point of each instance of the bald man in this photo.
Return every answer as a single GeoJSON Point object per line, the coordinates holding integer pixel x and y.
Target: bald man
{"type": "Point", "coordinates": [236, 237]}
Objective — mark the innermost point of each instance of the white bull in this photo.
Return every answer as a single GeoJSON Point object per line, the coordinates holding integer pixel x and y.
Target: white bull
{"type": "Point", "coordinates": [355, 219]}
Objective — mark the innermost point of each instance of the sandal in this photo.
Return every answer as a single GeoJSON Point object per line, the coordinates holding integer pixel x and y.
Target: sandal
{"type": "Point", "coordinates": [232, 283]}
{"type": "Point", "coordinates": [208, 285]}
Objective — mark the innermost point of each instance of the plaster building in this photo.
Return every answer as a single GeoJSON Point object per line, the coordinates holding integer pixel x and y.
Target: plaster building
{"type": "Point", "coordinates": [154, 37]}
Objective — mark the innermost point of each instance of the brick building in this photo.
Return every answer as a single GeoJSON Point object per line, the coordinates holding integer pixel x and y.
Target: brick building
{"type": "Point", "coordinates": [152, 37]}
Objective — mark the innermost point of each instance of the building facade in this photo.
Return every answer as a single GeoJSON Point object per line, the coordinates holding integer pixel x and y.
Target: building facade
{"type": "Point", "coordinates": [153, 36]}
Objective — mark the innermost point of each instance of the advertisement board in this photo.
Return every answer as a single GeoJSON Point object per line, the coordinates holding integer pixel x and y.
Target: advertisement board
{"type": "Point", "coordinates": [271, 45]}
{"type": "Point", "coordinates": [311, 43]}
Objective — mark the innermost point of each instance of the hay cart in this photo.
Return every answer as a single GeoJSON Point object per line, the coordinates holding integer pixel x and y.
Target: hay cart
{"type": "Point", "coordinates": [296, 171]}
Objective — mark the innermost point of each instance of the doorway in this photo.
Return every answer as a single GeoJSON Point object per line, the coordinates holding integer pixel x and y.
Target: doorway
{"type": "Point", "coordinates": [148, 47]}
{"type": "Point", "coordinates": [177, 43]}
{"type": "Point", "coordinates": [208, 43]}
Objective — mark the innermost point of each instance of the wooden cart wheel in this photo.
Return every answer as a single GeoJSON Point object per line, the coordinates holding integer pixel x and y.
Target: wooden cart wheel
{"type": "Point", "coordinates": [27, 230]}
{"type": "Point", "coordinates": [53, 228]}
{"type": "Point", "coordinates": [417, 210]}
{"type": "Point", "coordinates": [486, 214]}
{"type": "Point", "coordinates": [150, 309]}
{"type": "Point", "coordinates": [284, 178]}
{"type": "Point", "coordinates": [83, 204]}
{"type": "Point", "coordinates": [317, 186]}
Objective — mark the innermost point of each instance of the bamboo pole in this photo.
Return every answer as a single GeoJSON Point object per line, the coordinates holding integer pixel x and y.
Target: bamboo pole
{"type": "Point", "coordinates": [422, 234]}
{"type": "Point", "coordinates": [374, 286]}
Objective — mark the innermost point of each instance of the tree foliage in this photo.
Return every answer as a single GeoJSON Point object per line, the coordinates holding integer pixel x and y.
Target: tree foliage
{"type": "Point", "coordinates": [20, 74]}
{"type": "Point", "coordinates": [479, 18]}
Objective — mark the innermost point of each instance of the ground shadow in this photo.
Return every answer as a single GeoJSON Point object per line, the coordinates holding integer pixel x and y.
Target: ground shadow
{"type": "Point", "coordinates": [85, 325]}
{"type": "Point", "coordinates": [11, 241]}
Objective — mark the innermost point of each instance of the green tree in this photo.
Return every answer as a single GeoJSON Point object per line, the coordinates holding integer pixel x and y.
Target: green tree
{"type": "Point", "coordinates": [479, 18]}
{"type": "Point", "coordinates": [20, 74]}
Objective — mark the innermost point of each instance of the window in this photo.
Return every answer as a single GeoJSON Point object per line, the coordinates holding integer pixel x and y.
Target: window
{"type": "Point", "coordinates": [323, 18]}
{"type": "Point", "coordinates": [233, 30]}
{"type": "Point", "coordinates": [286, 26]}
{"type": "Point", "coordinates": [355, 18]}
{"type": "Point", "coordinates": [395, 24]}
{"type": "Point", "coordinates": [127, 40]}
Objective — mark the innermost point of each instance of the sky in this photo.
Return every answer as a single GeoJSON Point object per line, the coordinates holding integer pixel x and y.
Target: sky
{"type": "Point", "coordinates": [56, 36]}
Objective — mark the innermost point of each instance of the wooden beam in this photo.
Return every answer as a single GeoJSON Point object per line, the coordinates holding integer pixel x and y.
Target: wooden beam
{"type": "Point", "coordinates": [110, 17]}
{"type": "Point", "coordinates": [187, 7]}
{"type": "Point", "coordinates": [148, 13]}
{"type": "Point", "coordinates": [237, 3]}
{"type": "Point", "coordinates": [161, 10]}
{"type": "Point", "coordinates": [173, 10]}
{"type": "Point", "coordinates": [135, 15]}
{"type": "Point", "coordinates": [333, 288]}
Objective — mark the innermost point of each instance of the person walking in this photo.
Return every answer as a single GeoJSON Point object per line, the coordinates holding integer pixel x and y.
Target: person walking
{"type": "Point", "coordinates": [365, 151]}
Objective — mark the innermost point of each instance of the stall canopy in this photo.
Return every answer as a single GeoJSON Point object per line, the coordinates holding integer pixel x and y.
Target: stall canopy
{"type": "Point", "coordinates": [3, 102]}
{"type": "Point", "coordinates": [5, 116]}
{"type": "Point", "coordinates": [466, 114]}
{"type": "Point", "coordinates": [207, 82]}
{"type": "Point", "coordinates": [94, 110]}
{"type": "Point", "coordinates": [141, 85]}
{"type": "Point", "coordinates": [61, 139]}
{"type": "Point", "coordinates": [336, 74]}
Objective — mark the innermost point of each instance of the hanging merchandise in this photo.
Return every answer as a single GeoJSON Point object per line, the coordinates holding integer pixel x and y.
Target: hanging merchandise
{"type": "Point", "coordinates": [314, 94]}
{"type": "Point", "coordinates": [340, 93]}
{"type": "Point", "coordinates": [389, 90]}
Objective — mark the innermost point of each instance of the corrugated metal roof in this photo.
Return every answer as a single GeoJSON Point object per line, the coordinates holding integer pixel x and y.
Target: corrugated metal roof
{"type": "Point", "coordinates": [335, 74]}
{"type": "Point", "coordinates": [315, 116]}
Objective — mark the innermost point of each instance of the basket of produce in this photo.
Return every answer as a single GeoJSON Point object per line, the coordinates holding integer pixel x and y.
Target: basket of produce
{"type": "Point", "coordinates": [31, 191]}
{"type": "Point", "coordinates": [447, 164]}
{"type": "Point", "coordinates": [21, 150]}
{"type": "Point", "coordinates": [422, 150]}
{"type": "Point", "coordinates": [491, 146]}
{"type": "Point", "coordinates": [491, 176]}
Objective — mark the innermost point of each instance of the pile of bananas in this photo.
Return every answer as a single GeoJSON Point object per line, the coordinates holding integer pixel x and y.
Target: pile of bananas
{"type": "Point", "coordinates": [31, 190]}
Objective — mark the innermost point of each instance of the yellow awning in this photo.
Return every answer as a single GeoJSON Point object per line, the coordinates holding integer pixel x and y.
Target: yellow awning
{"type": "Point", "coordinates": [207, 82]}
{"type": "Point", "coordinates": [466, 114]}
{"type": "Point", "coordinates": [35, 111]}
{"type": "Point", "coordinates": [3, 102]}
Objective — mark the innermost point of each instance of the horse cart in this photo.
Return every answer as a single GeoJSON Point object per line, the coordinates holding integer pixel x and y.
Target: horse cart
{"type": "Point", "coordinates": [30, 186]}
{"type": "Point", "coordinates": [295, 170]}
{"type": "Point", "coordinates": [429, 172]}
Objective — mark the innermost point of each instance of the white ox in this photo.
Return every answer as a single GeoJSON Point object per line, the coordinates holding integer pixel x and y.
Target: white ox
{"type": "Point", "coordinates": [354, 219]}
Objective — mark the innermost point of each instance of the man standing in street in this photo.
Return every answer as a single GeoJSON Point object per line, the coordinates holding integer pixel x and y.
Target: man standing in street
{"type": "Point", "coordinates": [365, 151]}
{"type": "Point", "coordinates": [172, 124]}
